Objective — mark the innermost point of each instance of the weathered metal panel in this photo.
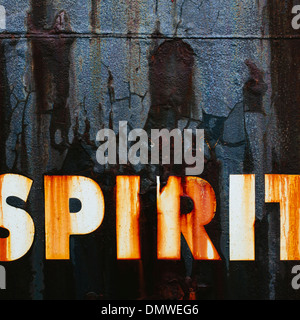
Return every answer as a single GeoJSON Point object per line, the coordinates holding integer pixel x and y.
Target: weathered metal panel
{"type": "Point", "coordinates": [70, 68]}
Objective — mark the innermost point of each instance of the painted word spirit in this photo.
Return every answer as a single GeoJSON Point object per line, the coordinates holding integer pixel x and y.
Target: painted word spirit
{"type": "Point", "coordinates": [61, 223]}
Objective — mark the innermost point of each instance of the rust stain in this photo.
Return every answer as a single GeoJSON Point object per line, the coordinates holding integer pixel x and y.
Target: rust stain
{"type": "Point", "coordinates": [170, 223]}
{"type": "Point", "coordinates": [133, 14]}
{"type": "Point", "coordinates": [57, 217]}
{"type": "Point", "coordinates": [60, 223]}
{"type": "Point", "coordinates": [94, 20]}
{"type": "Point", "coordinates": [51, 65]}
{"type": "Point", "coordinates": [171, 71]}
{"type": "Point", "coordinates": [192, 224]}
{"type": "Point", "coordinates": [127, 217]}
{"type": "Point", "coordinates": [284, 189]}
{"type": "Point", "coordinates": [168, 219]}
{"type": "Point", "coordinates": [37, 17]}
{"type": "Point", "coordinates": [254, 89]}
{"type": "Point", "coordinates": [285, 68]}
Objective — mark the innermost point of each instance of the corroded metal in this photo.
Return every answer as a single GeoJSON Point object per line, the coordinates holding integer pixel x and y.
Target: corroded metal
{"type": "Point", "coordinates": [70, 68]}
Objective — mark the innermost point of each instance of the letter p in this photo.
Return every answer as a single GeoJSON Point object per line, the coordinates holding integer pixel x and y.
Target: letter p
{"type": "Point", "coordinates": [60, 222]}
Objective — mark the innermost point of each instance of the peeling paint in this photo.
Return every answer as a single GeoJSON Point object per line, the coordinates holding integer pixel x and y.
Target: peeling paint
{"type": "Point", "coordinates": [81, 66]}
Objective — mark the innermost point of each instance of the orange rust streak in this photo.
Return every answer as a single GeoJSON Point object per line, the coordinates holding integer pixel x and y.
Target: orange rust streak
{"type": "Point", "coordinates": [168, 219]}
{"type": "Point", "coordinates": [285, 190]}
{"type": "Point", "coordinates": [57, 217]}
{"type": "Point", "coordinates": [60, 223]}
{"type": "Point", "coordinates": [127, 217]}
{"type": "Point", "coordinates": [192, 224]}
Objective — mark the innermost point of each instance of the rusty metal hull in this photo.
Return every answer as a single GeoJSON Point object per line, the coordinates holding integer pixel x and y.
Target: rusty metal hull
{"type": "Point", "coordinates": [70, 68]}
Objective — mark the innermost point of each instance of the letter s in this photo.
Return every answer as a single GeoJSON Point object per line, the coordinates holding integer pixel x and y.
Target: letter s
{"type": "Point", "coordinates": [296, 19]}
{"type": "Point", "coordinates": [17, 221]}
{"type": "Point", "coordinates": [295, 283]}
